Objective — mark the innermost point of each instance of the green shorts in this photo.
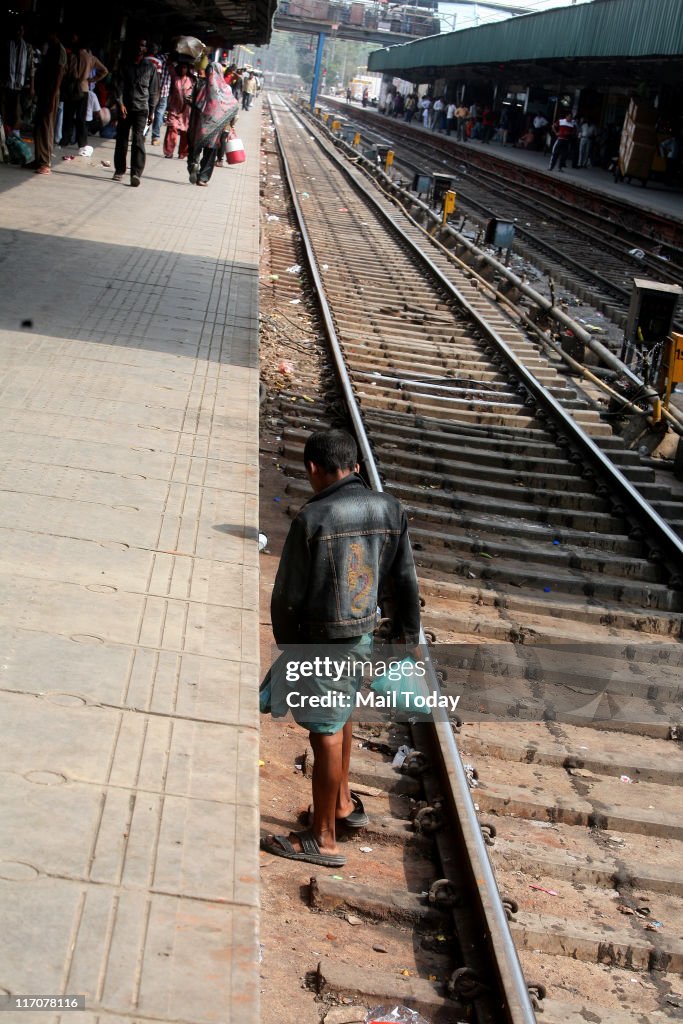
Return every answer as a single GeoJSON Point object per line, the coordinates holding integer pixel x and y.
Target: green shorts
{"type": "Point", "coordinates": [319, 701]}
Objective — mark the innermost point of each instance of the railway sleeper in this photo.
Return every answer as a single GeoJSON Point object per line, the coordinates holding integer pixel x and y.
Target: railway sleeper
{"type": "Point", "coordinates": [556, 1011]}
{"type": "Point", "coordinates": [446, 346]}
{"type": "Point", "coordinates": [651, 671]}
{"type": "Point", "coordinates": [663, 766]}
{"type": "Point", "coordinates": [434, 390]}
{"type": "Point", "coordinates": [513, 438]}
{"type": "Point", "coordinates": [602, 871]}
{"type": "Point", "coordinates": [405, 908]}
{"type": "Point", "coordinates": [426, 428]}
{"type": "Point", "coordinates": [517, 801]}
{"type": "Point", "coordinates": [521, 702]}
{"type": "Point", "coordinates": [582, 940]}
{"type": "Point", "coordinates": [502, 526]}
{"type": "Point", "coordinates": [520, 488]}
{"type": "Point", "coordinates": [399, 401]}
{"type": "Point", "coordinates": [446, 350]}
{"type": "Point", "coordinates": [447, 387]}
{"type": "Point", "coordinates": [443, 456]}
{"type": "Point", "coordinates": [374, 987]}
{"type": "Point", "coordinates": [378, 357]}
{"type": "Point", "coordinates": [496, 444]}
{"type": "Point", "coordinates": [555, 579]}
{"type": "Point", "coordinates": [424, 541]}
{"type": "Point", "coordinates": [552, 623]}
{"type": "Point", "coordinates": [465, 501]}
{"type": "Point", "coordinates": [519, 474]}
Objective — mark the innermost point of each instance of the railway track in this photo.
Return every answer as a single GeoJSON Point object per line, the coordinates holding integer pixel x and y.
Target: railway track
{"type": "Point", "coordinates": [539, 579]}
{"type": "Point", "coordinates": [586, 253]}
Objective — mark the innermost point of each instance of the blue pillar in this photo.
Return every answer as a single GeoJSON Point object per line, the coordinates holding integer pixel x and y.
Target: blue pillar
{"type": "Point", "coordinates": [316, 71]}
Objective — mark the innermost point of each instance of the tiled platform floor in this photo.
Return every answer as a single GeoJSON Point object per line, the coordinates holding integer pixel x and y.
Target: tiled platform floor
{"type": "Point", "coordinates": [129, 589]}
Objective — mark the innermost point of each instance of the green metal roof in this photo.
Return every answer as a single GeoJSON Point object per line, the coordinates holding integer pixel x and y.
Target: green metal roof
{"type": "Point", "coordinates": [601, 29]}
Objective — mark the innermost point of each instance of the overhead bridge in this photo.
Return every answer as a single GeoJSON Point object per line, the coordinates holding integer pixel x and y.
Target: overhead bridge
{"type": "Point", "coordinates": [360, 22]}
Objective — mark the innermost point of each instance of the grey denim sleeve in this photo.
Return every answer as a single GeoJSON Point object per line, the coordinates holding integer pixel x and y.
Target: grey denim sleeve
{"type": "Point", "coordinates": [405, 591]}
{"type": "Point", "coordinates": [291, 586]}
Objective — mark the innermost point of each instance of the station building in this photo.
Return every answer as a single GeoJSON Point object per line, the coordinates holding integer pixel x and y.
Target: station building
{"type": "Point", "coordinates": [591, 59]}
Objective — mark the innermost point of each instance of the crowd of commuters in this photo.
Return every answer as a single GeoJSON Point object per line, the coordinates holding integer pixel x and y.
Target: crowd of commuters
{"type": "Point", "coordinates": [55, 88]}
{"type": "Point", "coordinates": [565, 138]}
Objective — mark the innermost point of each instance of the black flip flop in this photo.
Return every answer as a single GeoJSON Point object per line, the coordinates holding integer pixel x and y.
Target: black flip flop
{"type": "Point", "coordinates": [356, 819]}
{"type": "Point", "coordinates": [281, 846]}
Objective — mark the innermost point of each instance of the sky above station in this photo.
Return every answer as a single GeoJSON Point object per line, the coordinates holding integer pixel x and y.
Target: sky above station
{"type": "Point", "coordinates": [459, 16]}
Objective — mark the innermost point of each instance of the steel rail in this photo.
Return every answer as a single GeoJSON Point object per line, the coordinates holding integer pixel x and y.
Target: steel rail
{"type": "Point", "coordinates": [343, 378]}
{"type": "Point", "coordinates": [467, 155]}
{"type": "Point", "coordinates": [645, 391]}
{"type": "Point", "coordinates": [670, 543]}
{"type": "Point", "coordinates": [547, 248]}
{"type": "Point", "coordinates": [518, 1008]}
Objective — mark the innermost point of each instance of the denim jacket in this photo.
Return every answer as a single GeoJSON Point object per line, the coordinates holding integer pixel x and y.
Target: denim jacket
{"type": "Point", "coordinates": [347, 552]}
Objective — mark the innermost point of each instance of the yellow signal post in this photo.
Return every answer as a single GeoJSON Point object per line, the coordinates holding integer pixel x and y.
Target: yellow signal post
{"type": "Point", "coordinates": [356, 140]}
{"type": "Point", "coordinates": [673, 361]}
{"type": "Point", "coordinates": [389, 159]}
{"type": "Point", "coordinates": [449, 202]}
{"type": "Point", "coordinates": [336, 125]}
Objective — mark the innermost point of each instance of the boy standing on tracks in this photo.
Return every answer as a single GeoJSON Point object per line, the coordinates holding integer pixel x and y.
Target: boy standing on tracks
{"type": "Point", "coordinates": [347, 549]}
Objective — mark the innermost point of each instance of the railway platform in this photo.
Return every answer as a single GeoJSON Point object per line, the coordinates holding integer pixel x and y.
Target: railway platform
{"type": "Point", "coordinates": [129, 406]}
{"type": "Point", "coordinates": [656, 197]}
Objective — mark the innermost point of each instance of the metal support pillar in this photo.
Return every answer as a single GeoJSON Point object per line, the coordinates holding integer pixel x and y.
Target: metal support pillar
{"type": "Point", "coordinates": [316, 71]}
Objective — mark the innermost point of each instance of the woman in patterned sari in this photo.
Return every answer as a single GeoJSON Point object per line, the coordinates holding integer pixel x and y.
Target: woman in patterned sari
{"type": "Point", "coordinates": [214, 110]}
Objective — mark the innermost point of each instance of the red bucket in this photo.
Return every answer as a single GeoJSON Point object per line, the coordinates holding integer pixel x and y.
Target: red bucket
{"type": "Point", "coordinates": [235, 151]}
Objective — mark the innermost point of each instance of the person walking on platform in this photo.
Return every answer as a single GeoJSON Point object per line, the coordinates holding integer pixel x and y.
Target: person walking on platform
{"type": "Point", "coordinates": [83, 70]}
{"type": "Point", "coordinates": [163, 67]}
{"type": "Point", "coordinates": [48, 80]}
{"type": "Point", "coordinates": [137, 94]}
{"type": "Point", "coordinates": [17, 79]}
{"type": "Point", "coordinates": [565, 132]}
{"type": "Point", "coordinates": [461, 115]}
{"type": "Point", "coordinates": [540, 129]}
{"type": "Point", "coordinates": [437, 111]}
{"type": "Point", "coordinates": [409, 107]}
{"type": "Point", "coordinates": [248, 91]}
{"type": "Point", "coordinates": [178, 117]}
{"type": "Point", "coordinates": [214, 110]}
{"type": "Point", "coordinates": [488, 122]}
{"type": "Point", "coordinates": [451, 121]}
{"type": "Point", "coordinates": [347, 547]}
{"type": "Point", "coordinates": [587, 132]}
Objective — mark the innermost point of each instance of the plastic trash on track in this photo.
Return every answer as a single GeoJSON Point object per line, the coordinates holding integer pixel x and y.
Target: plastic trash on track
{"type": "Point", "coordinates": [394, 1015]}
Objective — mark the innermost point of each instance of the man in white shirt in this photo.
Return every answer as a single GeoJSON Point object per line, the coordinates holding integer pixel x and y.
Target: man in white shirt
{"type": "Point", "coordinates": [451, 122]}
{"type": "Point", "coordinates": [540, 130]}
{"type": "Point", "coordinates": [587, 132]}
{"type": "Point", "coordinates": [437, 111]}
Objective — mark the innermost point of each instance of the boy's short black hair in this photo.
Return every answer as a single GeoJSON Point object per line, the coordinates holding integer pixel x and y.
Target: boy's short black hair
{"type": "Point", "coordinates": [331, 450]}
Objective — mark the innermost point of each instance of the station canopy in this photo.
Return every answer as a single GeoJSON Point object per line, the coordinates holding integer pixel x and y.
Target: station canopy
{"type": "Point", "coordinates": [640, 40]}
{"type": "Point", "coordinates": [230, 21]}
